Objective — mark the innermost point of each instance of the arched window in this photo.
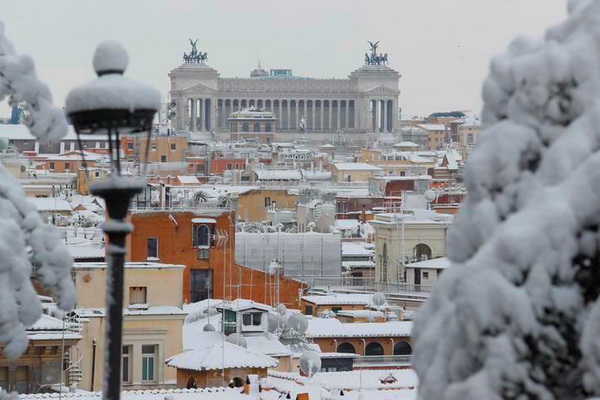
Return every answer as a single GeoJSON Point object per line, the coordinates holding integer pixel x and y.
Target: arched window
{"type": "Point", "coordinates": [402, 349]}
{"type": "Point", "coordinates": [245, 127]}
{"type": "Point", "coordinates": [238, 382]}
{"type": "Point", "coordinates": [346, 348]}
{"type": "Point", "coordinates": [421, 252]}
{"type": "Point", "coordinates": [374, 349]}
{"type": "Point", "coordinates": [268, 127]}
{"type": "Point", "coordinates": [201, 236]}
{"type": "Point", "coordinates": [470, 138]}
{"type": "Point", "coordinates": [256, 127]}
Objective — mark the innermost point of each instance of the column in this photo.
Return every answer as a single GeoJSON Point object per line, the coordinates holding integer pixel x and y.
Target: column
{"type": "Point", "coordinates": [289, 106]}
{"type": "Point", "coordinates": [322, 119]}
{"type": "Point", "coordinates": [193, 114]}
{"type": "Point", "coordinates": [338, 113]}
{"type": "Point", "coordinates": [385, 115]}
{"type": "Point", "coordinates": [202, 115]}
{"type": "Point", "coordinates": [313, 122]}
{"type": "Point", "coordinates": [347, 114]}
{"type": "Point", "coordinates": [329, 113]}
{"type": "Point", "coordinates": [280, 114]}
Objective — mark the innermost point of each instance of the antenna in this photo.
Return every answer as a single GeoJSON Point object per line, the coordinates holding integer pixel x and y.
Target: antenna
{"type": "Point", "coordinates": [310, 363]}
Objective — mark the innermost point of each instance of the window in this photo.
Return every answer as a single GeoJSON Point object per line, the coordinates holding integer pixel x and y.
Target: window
{"type": "Point", "coordinates": [67, 166]}
{"type": "Point", "coordinates": [97, 174]}
{"type": "Point", "coordinates": [470, 138]}
{"type": "Point", "coordinates": [203, 254]}
{"type": "Point", "coordinates": [129, 145]}
{"type": "Point", "coordinates": [267, 202]}
{"type": "Point", "coordinates": [252, 319]}
{"type": "Point", "coordinates": [51, 166]}
{"type": "Point", "coordinates": [336, 309]}
{"type": "Point", "coordinates": [425, 275]}
{"type": "Point", "coordinates": [153, 148]}
{"type": "Point", "coordinates": [126, 364]}
{"type": "Point", "coordinates": [308, 310]}
{"type": "Point", "coordinates": [163, 158]}
{"type": "Point", "coordinates": [200, 284]}
{"type": "Point", "coordinates": [201, 236]}
{"type": "Point", "coordinates": [137, 295]}
{"type": "Point", "coordinates": [229, 166]}
{"type": "Point", "coordinates": [268, 127]}
{"type": "Point", "coordinates": [173, 146]}
{"type": "Point", "coordinates": [152, 247]}
{"type": "Point", "coordinates": [257, 127]}
{"type": "Point", "coordinates": [4, 378]}
{"type": "Point", "coordinates": [22, 380]}
{"type": "Point", "coordinates": [148, 363]}
{"type": "Point", "coordinates": [245, 127]}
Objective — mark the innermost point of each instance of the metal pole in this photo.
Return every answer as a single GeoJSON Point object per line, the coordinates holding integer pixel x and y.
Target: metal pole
{"type": "Point", "coordinates": [117, 197]}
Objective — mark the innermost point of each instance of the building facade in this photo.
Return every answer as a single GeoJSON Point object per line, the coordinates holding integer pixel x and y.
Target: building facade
{"type": "Point", "coordinates": [366, 101]}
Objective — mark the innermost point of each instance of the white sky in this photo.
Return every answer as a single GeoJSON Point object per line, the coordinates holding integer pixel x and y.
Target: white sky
{"type": "Point", "coordinates": [442, 48]}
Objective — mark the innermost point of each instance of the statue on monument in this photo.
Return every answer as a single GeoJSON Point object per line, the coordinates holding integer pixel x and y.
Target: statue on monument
{"type": "Point", "coordinates": [374, 58]}
{"type": "Point", "coordinates": [195, 56]}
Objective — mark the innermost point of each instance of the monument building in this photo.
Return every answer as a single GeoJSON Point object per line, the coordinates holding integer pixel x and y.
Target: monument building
{"type": "Point", "coordinates": [365, 102]}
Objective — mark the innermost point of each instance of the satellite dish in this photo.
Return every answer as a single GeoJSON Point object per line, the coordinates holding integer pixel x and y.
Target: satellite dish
{"type": "Point", "coordinates": [282, 320]}
{"type": "Point", "coordinates": [378, 299]}
{"type": "Point", "coordinates": [310, 362]}
{"type": "Point", "coordinates": [208, 328]}
{"type": "Point", "coordinates": [272, 322]}
{"type": "Point", "coordinates": [297, 322]}
{"type": "Point", "coordinates": [281, 309]}
{"type": "Point", "coordinates": [236, 339]}
{"type": "Point", "coordinates": [430, 195]}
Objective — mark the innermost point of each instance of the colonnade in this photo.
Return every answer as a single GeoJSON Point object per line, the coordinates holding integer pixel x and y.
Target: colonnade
{"type": "Point", "coordinates": [320, 115]}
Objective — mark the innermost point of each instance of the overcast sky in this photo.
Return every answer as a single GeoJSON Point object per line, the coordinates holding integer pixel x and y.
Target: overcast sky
{"type": "Point", "coordinates": [442, 48]}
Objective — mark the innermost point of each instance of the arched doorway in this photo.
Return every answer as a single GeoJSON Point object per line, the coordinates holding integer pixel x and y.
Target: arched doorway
{"type": "Point", "coordinates": [191, 383]}
{"type": "Point", "coordinates": [374, 349]}
{"type": "Point", "coordinates": [402, 349]}
{"type": "Point", "coordinates": [421, 252]}
{"type": "Point", "coordinates": [347, 348]}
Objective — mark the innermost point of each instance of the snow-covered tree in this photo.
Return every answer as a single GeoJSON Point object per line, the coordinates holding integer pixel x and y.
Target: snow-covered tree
{"type": "Point", "coordinates": [27, 245]}
{"type": "Point", "coordinates": [518, 315]}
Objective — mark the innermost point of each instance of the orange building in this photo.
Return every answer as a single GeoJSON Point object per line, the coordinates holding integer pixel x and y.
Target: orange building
{"type": "Point", "coordinates": [205, 244]}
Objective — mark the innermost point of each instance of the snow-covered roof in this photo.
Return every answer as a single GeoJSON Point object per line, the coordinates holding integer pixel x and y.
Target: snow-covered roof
{"type": "Point", "coordinates": [21, 132]}
{"type": "Point", "coordinates": [187, 179]}
{"type": "Point", "coordinates": [341, 298]}
{"type": "Point", "coordinates": [129, 265]}
{"type": "Point", "coordinates": [267, 344]}
{"type": "Point", "coordinates": [50, 204]}
{"type": "Point", "coordinates": [358, 264]}
{"type": "Point", "coordinates": [433, 127]}
{"type": "Point", "coordinates": [332, 327]}
{"type": "Point", "coordinates": [154, 394]}
{"type": "Point", "coordinates": [45, 323]}
{"type": "Point", "coordinates": [242, 304]}
{"type": "Point", "coordinates": [355, 167]}
{"type": "Point", "coordinates": [278, 175]}
{"type": "Point", "coordinates": [347, 224]}
{"type": "Point", "coordinates": [357, 249]}
{"type": "Point", "coordinates": [316, 175]}
{"type": "Point", "coordinates": [367, 379]}
{"type": "Point", "coordinates": [360, 313]}
{"type": "Point", "coordinates": [435, 263]}
{"type": "Point", "coordinates": [216, 357]}
{"type": "Point", "coordinates": [406, 144]}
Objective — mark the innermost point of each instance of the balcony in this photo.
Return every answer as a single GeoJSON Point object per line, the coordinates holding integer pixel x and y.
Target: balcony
{"type": "Point", "coordinates": [382, 362]}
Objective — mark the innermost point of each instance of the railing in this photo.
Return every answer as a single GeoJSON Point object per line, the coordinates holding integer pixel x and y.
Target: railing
{"type": "Point", "coordinates": [367, 285]}
{"type": "Point", "coordinates": [382, 361]}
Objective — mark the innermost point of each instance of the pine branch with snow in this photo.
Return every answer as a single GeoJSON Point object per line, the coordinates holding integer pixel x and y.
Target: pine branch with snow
{"type": "Point", "coordinates": [26, 243]}
{"type": "Point", "coordinates": [517, 315]}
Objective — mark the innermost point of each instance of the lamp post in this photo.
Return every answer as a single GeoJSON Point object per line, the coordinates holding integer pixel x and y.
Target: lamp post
{"type": "Point", "coordinates": [113, 105]}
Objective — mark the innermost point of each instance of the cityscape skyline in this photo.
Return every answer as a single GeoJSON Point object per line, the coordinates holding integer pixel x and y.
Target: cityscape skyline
{"type": "Point", "coordinates": [440, 71]}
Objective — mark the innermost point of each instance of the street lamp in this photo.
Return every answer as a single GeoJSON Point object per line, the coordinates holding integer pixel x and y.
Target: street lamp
{"type": "Point", "coordinates": [113, 105]}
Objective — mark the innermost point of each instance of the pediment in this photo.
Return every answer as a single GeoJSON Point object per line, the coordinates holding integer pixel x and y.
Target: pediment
{"type": "Point", "coordinates": [382, 90]}
{"type": "Point", "coordinates": [198, 88]}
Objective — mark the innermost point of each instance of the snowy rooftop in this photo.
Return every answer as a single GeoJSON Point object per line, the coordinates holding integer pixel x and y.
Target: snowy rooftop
{"type": "Point", "coordinates": [418, 217]}
{"type": "Point", "coordinates": [50, 204]}
{"type": "Point", "coordinates": [155, 394]}
{"type": "Point", "coordinates": [278, 175]}
{"type": "Point", "coordinates": [357, 249]}
{"type": "Point", "coordinates": [436, 263]}
{"type": "Point", "coordinates": [406, 144]}
{"type": "Point", "coordinates": [129, 265]}
{"type": "Point", "coordinates": [332, 327]}
{"type": "Point", "coordinates": [334, 299]}
{"type": "Point", "coordinates": [188, 179]}
{"type": "Point", "coordinates": [216, 357]}
{"type": "Point", "coordinates": [356, 167]}
{"type": "Point", "coordinates": [433, 127]}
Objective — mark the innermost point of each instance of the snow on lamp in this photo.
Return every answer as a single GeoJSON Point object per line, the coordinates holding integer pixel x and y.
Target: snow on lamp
{"type": "Point", "coordinates": [114, 105]}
